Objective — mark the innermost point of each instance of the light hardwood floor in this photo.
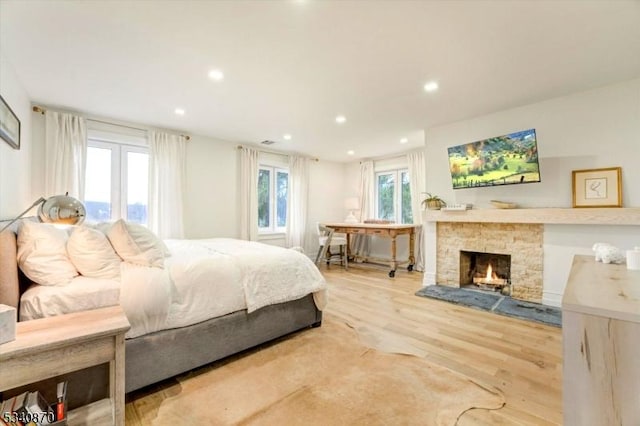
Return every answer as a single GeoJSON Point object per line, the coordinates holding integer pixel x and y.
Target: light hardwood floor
{"type": "Point", "coordinates": [522, 359]}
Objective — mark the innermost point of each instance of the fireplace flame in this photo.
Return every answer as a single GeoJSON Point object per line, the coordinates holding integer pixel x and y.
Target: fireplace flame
{"type": "Point", "coordinates": [490, 277]}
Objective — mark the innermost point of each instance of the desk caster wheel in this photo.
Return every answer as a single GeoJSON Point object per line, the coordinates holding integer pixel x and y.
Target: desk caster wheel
{"type": "Point", "coordinates": [410, 268]}
{"type": "Point", "coordinates": [392, 274]}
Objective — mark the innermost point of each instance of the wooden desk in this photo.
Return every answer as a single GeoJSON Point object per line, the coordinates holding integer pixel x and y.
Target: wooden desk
{"type": "Point", "coordinates": [380, 230]}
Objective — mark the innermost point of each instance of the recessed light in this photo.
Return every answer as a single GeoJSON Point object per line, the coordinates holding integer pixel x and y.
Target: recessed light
{"type": "Point", "coordinates": [179, 111]}
{"type": "Point", "coordinates": [431, 86]}
{"type": "Point", "coordinates": [404, 140]}
{"type": "Point", "coordinates": [351, 152]}
{"type": "Point", "coordinates": [287, 137]}
{"type": "Point", "coordinates": [341, 119]}
{"type": "Point", "coordinates": [216, 75]}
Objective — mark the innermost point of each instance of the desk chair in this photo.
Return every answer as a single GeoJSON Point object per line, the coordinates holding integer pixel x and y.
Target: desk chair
{"type": "Point", "coordinates": [327, 239]}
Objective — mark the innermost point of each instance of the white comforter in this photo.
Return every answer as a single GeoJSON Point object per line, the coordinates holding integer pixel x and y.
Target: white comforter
{"type": "Point", "coordinates": [202, 279]}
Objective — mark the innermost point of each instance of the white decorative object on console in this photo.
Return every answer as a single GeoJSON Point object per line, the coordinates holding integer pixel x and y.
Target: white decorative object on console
{"type": "Point", "coordinates": [607, 253]}
{"type": "Point", "coordinates": [633, 258]}
{"type": "Point", "coordinates": [456, 207]}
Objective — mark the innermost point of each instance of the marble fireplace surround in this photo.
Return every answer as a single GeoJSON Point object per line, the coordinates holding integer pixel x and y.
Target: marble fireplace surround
{"type": "Point", "coordinates": [518, 232]}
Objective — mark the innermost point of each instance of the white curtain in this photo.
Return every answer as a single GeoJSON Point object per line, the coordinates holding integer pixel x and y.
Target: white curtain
{"type": "Point", "coordinates": [167, 158]}
{"type": "Point", "coordinates": [417, 186]}
{"type": "Point", "coordinates": [361, 243]}
{"type": "Point", "coordinates": [65, 154]}
{"type": "Point", "coordinates": [248, 194]}
{"type": "Point", "coordinates": [298, 201]}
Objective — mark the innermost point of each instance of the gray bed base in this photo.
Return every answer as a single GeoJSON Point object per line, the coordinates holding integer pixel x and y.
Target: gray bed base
{"type": "Point", "coordinates": [164, 354]}
{"type": "Point", "coordinates": [157, 356]}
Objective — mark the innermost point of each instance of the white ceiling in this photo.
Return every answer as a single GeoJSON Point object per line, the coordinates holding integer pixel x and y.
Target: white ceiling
{"type": "Point", "coordinates": [292, 66]}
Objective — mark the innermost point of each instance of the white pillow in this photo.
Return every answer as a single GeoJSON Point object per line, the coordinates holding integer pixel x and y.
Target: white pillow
{"type": "Point", "coordinates": [136, 244]}
{"type": "Point", "coordinates": [42, 254]}
{"type": "Point", "coordinates": [92, 254]}
{"type": "Point", "coordinates": [104, 227]}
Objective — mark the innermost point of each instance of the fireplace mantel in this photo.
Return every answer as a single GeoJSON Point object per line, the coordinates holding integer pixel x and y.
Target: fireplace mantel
{"type": "Point", "coordinates": [517, 218]}
{"type": "Point", "coordinates": [568, 216]}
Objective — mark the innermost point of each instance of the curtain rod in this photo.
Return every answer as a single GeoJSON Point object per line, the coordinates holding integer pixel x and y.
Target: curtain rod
{"type": "Point", "coordinates": [268, 151]}
{"type": "Point", "coordinates": [42, 111]}
{"type": "Point", "coordinates": [384, 158]}
{"type": "Point", "coordinates": [393, 156]}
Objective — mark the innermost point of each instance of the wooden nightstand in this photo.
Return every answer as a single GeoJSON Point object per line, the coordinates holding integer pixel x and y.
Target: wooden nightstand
{"type": "Point", "coordinates": [49, 347]}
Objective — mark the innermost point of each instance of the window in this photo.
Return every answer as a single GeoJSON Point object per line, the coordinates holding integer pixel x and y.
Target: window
{"type": "Point", "coordinates": [273, 186]}
{"type": "Point", "coordinates": [116, 182]}
{"type": "Point", "coordinates": [393, 196]}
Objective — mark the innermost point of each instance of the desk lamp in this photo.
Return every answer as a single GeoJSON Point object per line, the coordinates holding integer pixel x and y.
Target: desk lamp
{"type": "Point", "coordinates": [351, 204]}
{"type": "Point", "coordinates": [59, 209]}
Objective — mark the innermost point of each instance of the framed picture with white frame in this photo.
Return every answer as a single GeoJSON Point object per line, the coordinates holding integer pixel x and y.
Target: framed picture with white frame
{"type": "Point", "coordinates": [597, 187]}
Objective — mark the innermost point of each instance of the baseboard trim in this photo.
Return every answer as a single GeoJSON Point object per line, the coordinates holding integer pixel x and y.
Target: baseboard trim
{"type": "Point", "coordinates": [428, 279]}
{"type": "Point", "coordinates": [552, 299]}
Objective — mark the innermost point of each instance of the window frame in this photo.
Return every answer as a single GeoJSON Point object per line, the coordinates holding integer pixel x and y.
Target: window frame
{"type": "Point", "coordinates": [125, 149]}
{"type": "Point", "coordinates": [397, 196]}
{"type": "Point", "coordinates": [273, 199]}
{"type": "Point", "coordinates": [119, 170]}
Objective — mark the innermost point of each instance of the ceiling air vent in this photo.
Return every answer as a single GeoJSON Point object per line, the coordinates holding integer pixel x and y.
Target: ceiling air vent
{"type": "Point", "coordinates": [267, 142]}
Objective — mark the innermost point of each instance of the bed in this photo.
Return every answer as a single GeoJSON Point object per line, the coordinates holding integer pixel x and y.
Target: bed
{"type": "Point", "coordinates": [171, 340]}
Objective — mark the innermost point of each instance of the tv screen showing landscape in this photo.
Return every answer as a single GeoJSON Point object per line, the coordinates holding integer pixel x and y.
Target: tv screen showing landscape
{"type": "Point", "coordinates": [502, 160]}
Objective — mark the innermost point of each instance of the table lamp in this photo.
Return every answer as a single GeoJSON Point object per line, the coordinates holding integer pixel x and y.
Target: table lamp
{"type": "Point", "coordinates": [351, 204]}
{"type": "Point", "coordinates": [59, 209]}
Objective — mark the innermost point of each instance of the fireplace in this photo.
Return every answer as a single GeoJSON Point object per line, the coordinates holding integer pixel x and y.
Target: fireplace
{"type": "Point", "coordinates": [530, 235]}
{"type": "Point", "coordinates": [487, 271]}
{"type": "Point", "coordinates": [521, 243]}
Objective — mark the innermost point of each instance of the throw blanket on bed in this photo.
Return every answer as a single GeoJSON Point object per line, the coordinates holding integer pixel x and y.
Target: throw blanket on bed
{"type": "Point", "coordinates": [214, 277]}
{"type": "Point", "coordinates": [202, 279]}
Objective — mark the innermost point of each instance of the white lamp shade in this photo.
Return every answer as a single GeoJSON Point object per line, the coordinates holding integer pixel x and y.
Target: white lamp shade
{"type": "Point", "coordinates": [352, 204]}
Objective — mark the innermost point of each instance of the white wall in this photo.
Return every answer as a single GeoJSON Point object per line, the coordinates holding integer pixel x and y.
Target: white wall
{"type": "Point", "coordinates": [598, 128]}
{"type": "Point", "coordinates": [562, 242]}
{"type": "Point", "coordinates": [15, 165]}
{"type": "Point", "coordinates": [210, 202]}
{"type": "Point", "coordinates": [351, 184]}
{"type": "Point", "coordinates": [327, 193]}
{"type": "Point", "coordinates": [38, 155]}
{"type": "Point", "coordinates": [593, 129]}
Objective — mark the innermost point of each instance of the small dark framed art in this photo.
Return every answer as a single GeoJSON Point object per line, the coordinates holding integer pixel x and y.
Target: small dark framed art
{"type": "Point", "coordinates": [9, 125]}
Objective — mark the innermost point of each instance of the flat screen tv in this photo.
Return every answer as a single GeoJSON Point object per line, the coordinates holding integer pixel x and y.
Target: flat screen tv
{"type": "Point", "coordinates": [502, 160]}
